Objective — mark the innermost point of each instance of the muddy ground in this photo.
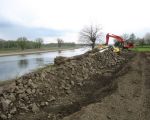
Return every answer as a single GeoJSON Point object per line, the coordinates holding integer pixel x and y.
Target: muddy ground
{"type": "Point", "coordinates": [103, 86]}
{"type": "Point", "coordinates": [131, 99]}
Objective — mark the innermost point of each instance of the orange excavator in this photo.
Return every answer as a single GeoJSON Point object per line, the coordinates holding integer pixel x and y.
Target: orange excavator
{"type": "Point", "coordinates": [125, 45]}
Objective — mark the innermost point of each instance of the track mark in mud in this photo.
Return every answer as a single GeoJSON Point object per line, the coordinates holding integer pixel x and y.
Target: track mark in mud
{"type": "Point", "coordinates": [146, 76]}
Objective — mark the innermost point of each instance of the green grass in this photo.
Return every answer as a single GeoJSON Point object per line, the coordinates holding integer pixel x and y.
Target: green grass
{"type": "Point", "coordinates": [142, 48]}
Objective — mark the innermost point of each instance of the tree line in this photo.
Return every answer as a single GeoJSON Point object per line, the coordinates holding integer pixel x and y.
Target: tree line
{"type": "Point", "coordinates": [145, 40]}
{"type": "Point", "coordinates": [21, 43]}
{"type": "Point", "coordinates": [137, 40]}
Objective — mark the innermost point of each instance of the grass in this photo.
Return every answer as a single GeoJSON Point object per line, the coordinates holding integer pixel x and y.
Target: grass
{"type": "Point", "coordinates": [142, 48]}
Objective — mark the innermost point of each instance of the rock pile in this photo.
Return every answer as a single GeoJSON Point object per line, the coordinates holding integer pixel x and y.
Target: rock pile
{"type": "Point", "coordinates": [34, 91]}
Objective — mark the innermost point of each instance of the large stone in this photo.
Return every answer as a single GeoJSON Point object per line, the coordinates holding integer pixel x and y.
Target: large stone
{"type": "Point", "coordinates": [21, 105]}
{"type": "Point", "coordinates": [18, 81]}
{"type": "Point", "coordinates": [3, 117]}
{"type": "Point", "coordinates": [72, 83]}
{"type": "Point", "coordinates": [34, 108]}
{"type": "Point", "coordinates": [12, 97]}
{"type": "Point", "coordinates": [68, 91]}
{"type": "Point", "coordinates": [33, 91]}
{"type": "Point", "coordinates": [33, 86]}
{"type": "Point", "coordinates": [22, 96]}
{"type": "Point", "coordinates": [28, 91]}
{"type": "Point", "coordinates": [19, 91]}
{"type": "Point", "coordinates": [13, 110]}
{"type": "Point", "coordinates": [9, 116]}
{"type": "Point", "coordinates": [52, 98]}
{"type": "Point", "coordinates": [5, 103]}
{"type": "Point", "coordinates": [44, 104]}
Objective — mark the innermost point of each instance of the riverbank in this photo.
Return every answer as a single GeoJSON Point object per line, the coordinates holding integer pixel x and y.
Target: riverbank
{"type": "Point", "coordinates": [12, 67]}
{"type": "Point", "coordinates": [58, 91]}
{"type": "Point", "coordinates": [34, 51]}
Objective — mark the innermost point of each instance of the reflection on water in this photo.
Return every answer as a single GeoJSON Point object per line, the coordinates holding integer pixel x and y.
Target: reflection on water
{"type": "Point", "coordinates": [23, 63]}
{"type": "Point", "coordinates": [22, 55]}
{"type": "Point", "coordinates": [17, 65]}
{"type": "Point", "coordinates": [59, 51]}
{"type": "Point", "coordinates": [39, 61]}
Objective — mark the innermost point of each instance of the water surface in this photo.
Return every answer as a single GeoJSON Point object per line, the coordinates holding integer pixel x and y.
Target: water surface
{"type": "Point", "coordinates": [17, 65]}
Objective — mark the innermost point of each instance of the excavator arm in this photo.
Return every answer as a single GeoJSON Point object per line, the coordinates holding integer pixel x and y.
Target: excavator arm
{"type": "Point", "coordinates": [118, 38]}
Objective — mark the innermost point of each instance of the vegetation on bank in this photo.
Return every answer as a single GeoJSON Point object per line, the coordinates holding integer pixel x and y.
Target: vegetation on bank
{"type": "Point", "coordinates": [21, 43]}
{"type": "Point", "coordinates": [143, 48]}
{"type": "Point", "coordinates": [25, 45]}
{"type": "Point", "coordinates": [140, 44]}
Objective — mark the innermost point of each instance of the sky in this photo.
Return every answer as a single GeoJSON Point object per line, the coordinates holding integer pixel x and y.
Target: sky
{"type": "Point", "coordinates": [52, 19]}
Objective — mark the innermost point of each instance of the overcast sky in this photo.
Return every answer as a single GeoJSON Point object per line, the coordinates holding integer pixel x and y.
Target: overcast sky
{"type": "Point", "coordinates": [50, 19]}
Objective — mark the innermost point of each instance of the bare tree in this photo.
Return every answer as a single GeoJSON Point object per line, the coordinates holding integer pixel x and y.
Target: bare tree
{"type": "Point", "coordinates": [90, 34]}
{"type": "Point", "coordinates": [59, 41]}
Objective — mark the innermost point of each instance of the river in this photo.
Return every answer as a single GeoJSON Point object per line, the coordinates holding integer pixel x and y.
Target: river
{"type": "Point", "coordinates": [15, 66]}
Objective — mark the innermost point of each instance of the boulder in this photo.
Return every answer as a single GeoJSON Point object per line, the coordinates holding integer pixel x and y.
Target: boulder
{"type": "Point", "coordinates": [13, 110]}
{"type": "Point", "coordinates": [5, 103]}
{"type": "Point", "coordinates": [3, 116]}
{"type": "Point", "coordinates": [34, 108]}
{"type": "Point", "coordinates": [59, 60]}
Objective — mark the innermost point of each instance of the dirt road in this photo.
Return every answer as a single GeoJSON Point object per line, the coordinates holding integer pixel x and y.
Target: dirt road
{"type": "Point", "coordinates": [131, 100]}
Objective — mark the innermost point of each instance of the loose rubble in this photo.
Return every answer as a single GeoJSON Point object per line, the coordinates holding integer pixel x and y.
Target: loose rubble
{"type": "Point", "coordinates": [34, 91]}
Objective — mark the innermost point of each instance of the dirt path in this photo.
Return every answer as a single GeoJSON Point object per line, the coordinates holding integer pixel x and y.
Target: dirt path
{"type": "Point", "coordinates": [131, 101]}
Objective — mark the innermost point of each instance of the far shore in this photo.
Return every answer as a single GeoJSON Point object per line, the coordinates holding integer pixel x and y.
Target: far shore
{"type": "Point", "coordinates": [35, 52]}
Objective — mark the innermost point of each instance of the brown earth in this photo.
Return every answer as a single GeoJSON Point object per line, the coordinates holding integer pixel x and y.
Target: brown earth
{"type": "Point", "coordinates": [93, 86]}
{"type": "Point", "coordinates": [131, 100]}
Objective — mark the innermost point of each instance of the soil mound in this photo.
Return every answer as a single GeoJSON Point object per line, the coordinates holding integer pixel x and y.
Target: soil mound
{"type": "Point", "coordinates": [46, 94]}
